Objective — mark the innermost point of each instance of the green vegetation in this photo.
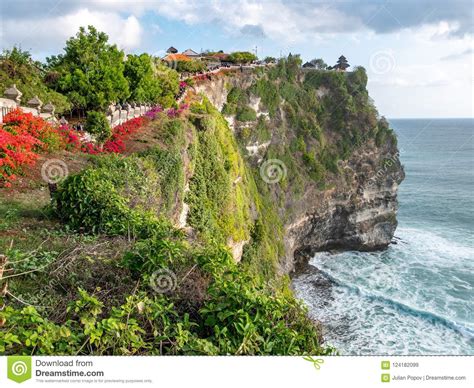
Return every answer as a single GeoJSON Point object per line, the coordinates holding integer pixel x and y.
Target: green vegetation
{"type": "Point", "coordinates": [236, 318]}
{"type": "Point", "coordinates": [91, 71]}
{"type": "Point", "coordinates": [91, 74]}
{"type": "Point", "coordinates": [190, 66]}
{"type": "Point", "coordinates": [17, 67]}
{"type": "Point", "coordinates": [98, 125]}
{"type": "Point", "coordinates": [150, 82]}
{"type": "Point", "coordinates": [342, 111]}
{"type": "Point", "coordinates": [218, 197]}
{"type": "Point", "coordinates": [268, 92]}
{"type": "Point", "coordinates": [246, 113]}
{"type": "Point", "coordinates": [242, 57]}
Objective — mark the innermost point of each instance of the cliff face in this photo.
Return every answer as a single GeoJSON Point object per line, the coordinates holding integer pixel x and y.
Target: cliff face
{"type": "Point", "coordinates": [358, 214]}
{"type": "Point", "coordinates": [325, 202]}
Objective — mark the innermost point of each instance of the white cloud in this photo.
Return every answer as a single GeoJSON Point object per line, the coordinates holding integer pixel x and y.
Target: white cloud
{"type": "Point", "coordinates": [52, 32]}
{"type": "Point", "coordinates": [278, 20]}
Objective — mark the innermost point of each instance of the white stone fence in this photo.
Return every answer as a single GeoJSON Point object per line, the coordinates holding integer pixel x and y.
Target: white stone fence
{"type": "Point", "coordinates": [12, 100]}
{"type": "Point", "coordinates": [118, 114]}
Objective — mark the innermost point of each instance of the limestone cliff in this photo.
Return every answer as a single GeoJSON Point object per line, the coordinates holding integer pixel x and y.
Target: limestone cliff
{"type": "Point", "coordinates": [340, 160]}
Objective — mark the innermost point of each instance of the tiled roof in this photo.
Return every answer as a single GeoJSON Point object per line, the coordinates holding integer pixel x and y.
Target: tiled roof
{"type": "Point", "coordinates": [190, 52]}
{"type": "Point", "coordinates": [176, 57]}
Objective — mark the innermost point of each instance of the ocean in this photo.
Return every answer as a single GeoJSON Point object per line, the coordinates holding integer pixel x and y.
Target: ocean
{"type": "Point", "coordinates": [416, 297]}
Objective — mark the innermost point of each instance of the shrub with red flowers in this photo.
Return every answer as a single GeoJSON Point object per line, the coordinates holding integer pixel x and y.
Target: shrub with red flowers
{"type": "Point", "coordinates": [120, 133]}
{"type": "Point", "coordinates": [18, 121]}
{"type": "Point", "coordinates": [22, 137]}
{"type": "Point", "coordinates": [70, 137]}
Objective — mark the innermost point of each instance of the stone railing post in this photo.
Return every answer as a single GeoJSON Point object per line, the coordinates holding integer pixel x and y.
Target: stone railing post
{"type": "Point", "coordinates": [35, 103]}
{"type": "Point", "coordinates": [127, 107]}
{"type": "Point", "coordinates": [12, 93]}
{"type": "Point", "coordinates": [47, 112]}
{"type": "Point", "coordinates": [110, 114]}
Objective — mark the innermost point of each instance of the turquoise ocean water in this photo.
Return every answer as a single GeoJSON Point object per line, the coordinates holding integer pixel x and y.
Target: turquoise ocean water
{"type": "Point", "coordinates": [417, 297]}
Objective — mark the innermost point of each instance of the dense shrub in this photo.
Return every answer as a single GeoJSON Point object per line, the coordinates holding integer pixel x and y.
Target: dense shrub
{"type": "Point", "coordinates": [229, 109]}
{"type": "Point", "coordinates": [98, 125]}
{"type": "Point", "coordinates": [121, 195]}
{"type": "Point", "coordinates": [238, 314]}
{"type": "Point", "coordinates": [268, 92]}
{"type": "Point", "coordinates": [242, 57]}
{"type": "Point", "coordinates": [315, 168]}
{"type": "Point", "coordinates": [193, 66]}
{"type": "Point", "coordinates": [237, 96]}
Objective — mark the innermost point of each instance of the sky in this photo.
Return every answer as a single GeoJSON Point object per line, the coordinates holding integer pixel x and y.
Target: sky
{"type": "Point", "coordinates": [418, 53]}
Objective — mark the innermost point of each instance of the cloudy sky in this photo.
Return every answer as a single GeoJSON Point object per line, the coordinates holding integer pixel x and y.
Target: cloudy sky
{"type": "Point", "coordinates": [418, 53]}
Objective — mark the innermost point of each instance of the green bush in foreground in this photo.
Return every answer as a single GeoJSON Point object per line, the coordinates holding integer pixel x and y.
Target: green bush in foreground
{"type": "Point", "coordinates": [238, 316]}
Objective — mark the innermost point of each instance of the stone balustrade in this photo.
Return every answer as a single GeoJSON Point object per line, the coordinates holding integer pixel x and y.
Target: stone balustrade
{"type": "Point", "coordinates": [12, 100]}
{"type": "Point", "coordinates": [118, 114]}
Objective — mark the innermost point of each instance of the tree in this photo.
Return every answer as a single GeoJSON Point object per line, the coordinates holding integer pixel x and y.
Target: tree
{"type": "Point", "coordinates": [17, 67]}
{"type": "Point", "coordinates": [319, 64]}
{"type": "Point", "coordinates": [241, 57]}
{"type": "Point", "coordinates": [190, 66]}
{"type": "Point", "coordinates": [169, 80]}
{"type": "Point", "coordinates": [270, 60]}
{"type": "Point", "coordinates": [144, 85]}
{"type": "Point", "coordinates": [91, 70]}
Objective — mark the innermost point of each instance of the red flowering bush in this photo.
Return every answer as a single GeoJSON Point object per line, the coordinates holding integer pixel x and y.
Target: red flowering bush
{"type": "Point", "coordinates": [120, 133]}
{"type": "Point", "coordinates": [22, 137]}
{"type": "Point", "coordinates": [70, 138]}
{"type": "Point", "coordinates": [16, 150]}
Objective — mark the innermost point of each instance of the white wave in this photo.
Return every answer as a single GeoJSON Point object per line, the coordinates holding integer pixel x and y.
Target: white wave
{"type": "Point", "coordinates": [414, 298]}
